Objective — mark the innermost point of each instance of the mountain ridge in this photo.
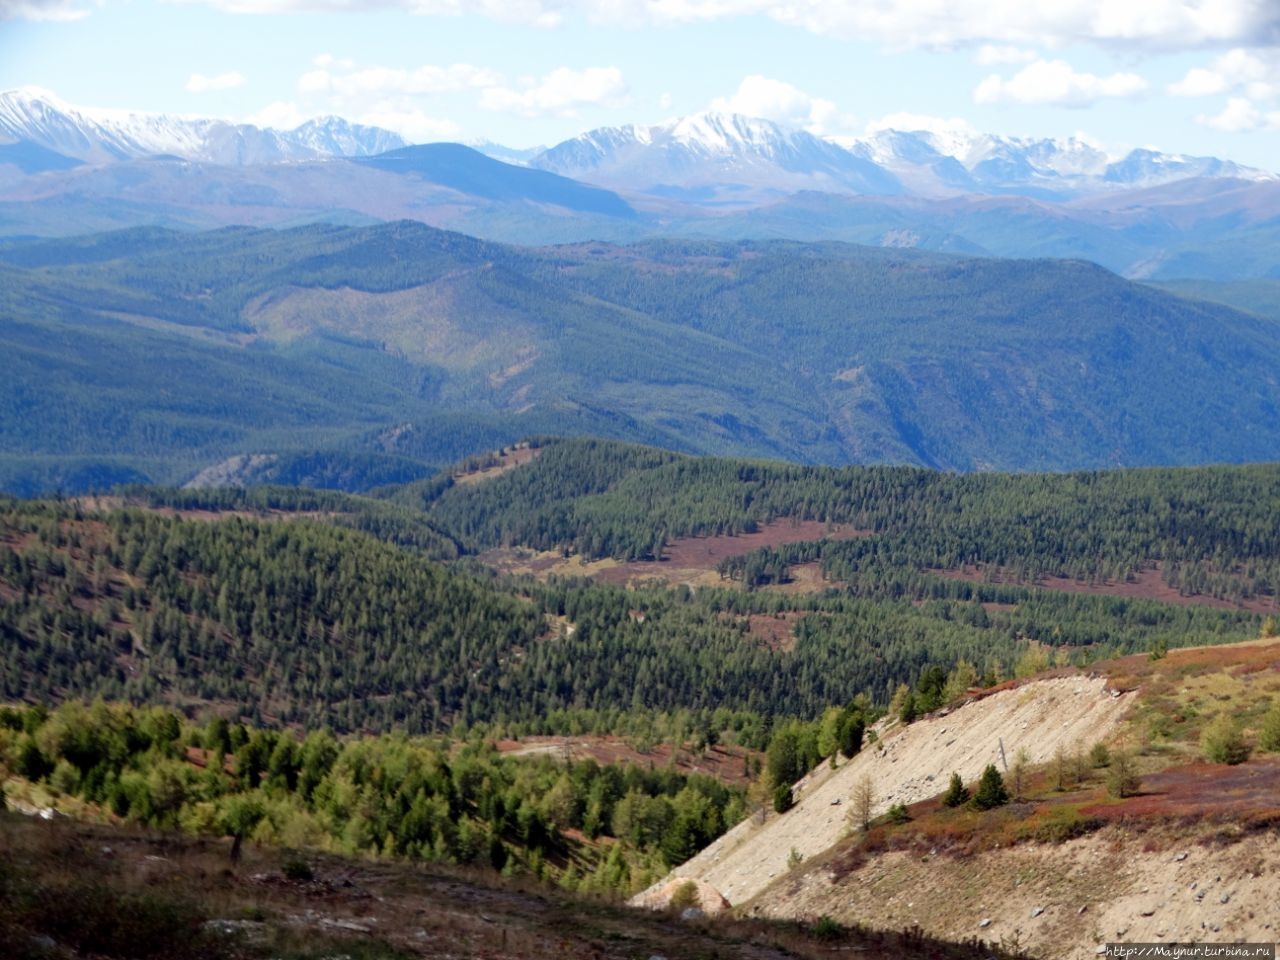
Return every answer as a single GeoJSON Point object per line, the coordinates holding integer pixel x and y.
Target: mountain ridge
{"type": "Point", "coordinates": [879, 163]}
{"type": "Point", "coordinates": [104, 136]}
{"type": "Point", "coordinates": [825, 353]}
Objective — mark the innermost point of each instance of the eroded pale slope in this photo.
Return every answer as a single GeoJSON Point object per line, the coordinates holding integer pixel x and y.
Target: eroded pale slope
{"type": "Point", "coordinates": [908, 764]}
{"type": "Point", "coordinates": [1061, 900]}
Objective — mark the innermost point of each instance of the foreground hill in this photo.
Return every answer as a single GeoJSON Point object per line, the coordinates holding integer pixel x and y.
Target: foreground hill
{"type": "Point", "coordinates": [69, 889]}
{"type": "Point", "coordinates": [363, 356]}
{"type": "Point", "coordinates": [1188, 852]}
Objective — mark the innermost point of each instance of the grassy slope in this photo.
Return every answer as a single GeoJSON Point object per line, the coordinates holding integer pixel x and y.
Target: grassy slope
{"type": "Point", "coordinates": [125, 893]}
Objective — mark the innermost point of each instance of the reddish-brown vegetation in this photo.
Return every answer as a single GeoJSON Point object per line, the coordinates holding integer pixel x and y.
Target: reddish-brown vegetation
{"type": "Point", "coordinates": [692, 555]}
{"type": "Point", "coordinates": [1201, 791]}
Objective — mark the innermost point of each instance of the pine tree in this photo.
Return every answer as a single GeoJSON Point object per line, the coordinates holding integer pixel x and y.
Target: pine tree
{"type": "Point", "coordinates": [991, 791]}
{"type": "Point", "coordinates": [957, 793]}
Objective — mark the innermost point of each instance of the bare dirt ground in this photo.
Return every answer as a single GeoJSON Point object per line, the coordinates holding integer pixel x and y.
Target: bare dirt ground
{"type": "Point", "coordinates": [1178, 884]}
{"type": "Point", "coordinates": [691, 560]}
{"type": "Point", "coordinates": [1193, 857]}
{"type": "Point", "coordinates": [507, 459]}
{"type": "Point", "coordinates": [908, 764]}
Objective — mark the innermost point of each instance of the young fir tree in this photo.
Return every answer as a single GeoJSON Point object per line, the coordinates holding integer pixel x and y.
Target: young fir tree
{"type": "Point", "coordinates": [957, 793]}
{"type": "Point", "coordinates": [991, 791]}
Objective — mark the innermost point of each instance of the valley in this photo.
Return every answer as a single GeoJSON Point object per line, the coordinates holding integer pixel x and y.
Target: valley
{"type": "Point", "coordinates": [706, 538]}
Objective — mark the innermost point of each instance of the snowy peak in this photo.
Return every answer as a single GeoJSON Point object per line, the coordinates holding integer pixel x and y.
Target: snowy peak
{"type": "Point", "coordinates": [1148, 168]}
{"type": "Point", "coordinates": [708, 156]}
{"type": "Point", "coordinates": [37, 117]}
{"type": "Point", "coordinates": [727, 134]}
{"type": "Point", "coordinates": [333, 136]}
{"type": "Point", "coordinates": [719, 154]}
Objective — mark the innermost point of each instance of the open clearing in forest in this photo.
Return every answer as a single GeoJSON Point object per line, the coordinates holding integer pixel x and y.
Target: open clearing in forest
{"type": "Point", "coordinates": [691, 561]}
{"type": "Point", "coordinates": [506, 459]}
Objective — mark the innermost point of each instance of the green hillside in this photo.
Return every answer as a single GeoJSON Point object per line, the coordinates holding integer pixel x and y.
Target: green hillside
{"type": "Point", "coordinates": [312, 608]}
{"type": "Point", "coordinates": [361, 356]}
{"type": "Point", "coordinates": [1212, 528]}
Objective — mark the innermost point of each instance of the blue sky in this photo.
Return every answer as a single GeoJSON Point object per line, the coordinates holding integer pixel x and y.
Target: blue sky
{"type": "Point", "coordinates": [1192, 76]}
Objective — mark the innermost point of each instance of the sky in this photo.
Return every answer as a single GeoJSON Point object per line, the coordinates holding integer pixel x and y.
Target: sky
{"type": "Point", "coordinates": [1190, 76]}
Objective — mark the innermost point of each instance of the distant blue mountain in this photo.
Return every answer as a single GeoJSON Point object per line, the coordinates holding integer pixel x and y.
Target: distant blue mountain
{"type": "Point", "coordinates": [469, 171]}
{"type": "Point", "coordinates": [32, 158]}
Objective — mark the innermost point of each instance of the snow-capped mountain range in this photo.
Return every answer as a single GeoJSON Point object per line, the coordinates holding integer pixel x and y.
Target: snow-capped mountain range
{"type": "Point", "coordinates": [741, 150]}
{"type": "Point", "coordinates": [97, 136]}
{"type": "Point", "coordinates": [709, 158]}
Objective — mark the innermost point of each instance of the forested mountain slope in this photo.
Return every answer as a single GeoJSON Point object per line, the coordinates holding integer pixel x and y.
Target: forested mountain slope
{"type": "Point", "coordinates": [299, 607]}
{"type": "Point", "coordinates": [367, 356]}
{"type": "Point", "coordinates": [1212, 529]}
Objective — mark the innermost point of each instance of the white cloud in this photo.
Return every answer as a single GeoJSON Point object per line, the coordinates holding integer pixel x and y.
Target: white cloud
{"type": "Point", "coordinates": [914, 122]}
{"type": "Point", "coordinates": [1241, 116]}
{"type": "Point", "coordinates": [410, 122]}
{"type": "Point", "coordinates": [1157, 24]}
{"type": "Point", "coordinates": [281, 115]}
{"type": "Point", "coordinates": [55, 10]}
{"type": "Point", "coordinates": [992, 55]}
{"type": "Point", "coordinates": [1198, 83]}
{"type": "Point", "coordinates": [780, 102]}
{"type": "Point", "coordinates": [386, 80]}
{"type": "Point", "coordinates": [1252, 79]}
{"type": "Point", "coordinates": [534, 13]}
{"type": "Point", "coordinates": [199, 83]}
{"type": "Point", "coordinates": [1240, 70]}
{"type": "Point", "coordinates": [1056, 82]}
{"type": "Point", "coordinates": [560, 93]}
{"type": "Point", "coordinates": [1153, 24]}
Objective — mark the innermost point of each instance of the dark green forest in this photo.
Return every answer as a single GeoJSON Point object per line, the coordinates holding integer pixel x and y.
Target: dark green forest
{"type": "Point", "coordinates": [1214, 530]}
{"type": "Point", "coordinates": [312, 608]}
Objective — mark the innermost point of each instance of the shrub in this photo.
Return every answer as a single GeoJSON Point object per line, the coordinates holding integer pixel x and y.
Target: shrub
{"type": "Point", "coordinates": [783, 799]}
{"type": "Point", "coordinates": [956, 793]}
{"type": "Point", "coordinates": [685, 896]}
{"type": "Point", "coordinates": [1063, 825]}
{"type": "Point", "coordinates": [1018, 773]}
{"type": "Point", "coordinates": [295, 868]}
{"type": "Point", "coordinates": [1099, 756]}
{"type": "Point", "coordinates": [1122, 777]}
{"type": "Point", "coordinates": [1269, 736]}
{"type": "Point", "coordinates": [864, 798]}
{"type": "Point", "coordinates": [991, 792]}
{"type": "Point", "coordinates": [1223, 741]}
{"type": "Point", "coordinates": [898, 813]}
{"type": "Point", "coordinates": [824, 928]}
{"type": "Point", "coordinates": [794, 859]}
